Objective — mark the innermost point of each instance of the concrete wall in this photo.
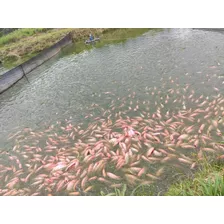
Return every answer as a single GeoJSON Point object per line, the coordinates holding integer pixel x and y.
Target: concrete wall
{"type": "Point", "coordinates": [10, 77]}
{"type": "Point", "coordinates": [15, 74]}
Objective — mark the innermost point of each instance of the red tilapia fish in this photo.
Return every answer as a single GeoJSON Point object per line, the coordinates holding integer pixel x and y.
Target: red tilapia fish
{"type": "Point", "coordinates": [130, 142]}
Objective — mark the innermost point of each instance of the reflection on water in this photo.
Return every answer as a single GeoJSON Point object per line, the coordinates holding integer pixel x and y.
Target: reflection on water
{"type": "Point", "coordinates": [158, 101]}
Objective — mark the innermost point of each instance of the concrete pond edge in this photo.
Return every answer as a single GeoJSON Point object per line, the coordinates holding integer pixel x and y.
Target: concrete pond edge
{"type": "Point", "coordinates": [14, 75]}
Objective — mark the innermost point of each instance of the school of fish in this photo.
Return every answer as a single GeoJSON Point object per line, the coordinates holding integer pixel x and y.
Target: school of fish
{"type": "Point", "coordinates": [132, 141]}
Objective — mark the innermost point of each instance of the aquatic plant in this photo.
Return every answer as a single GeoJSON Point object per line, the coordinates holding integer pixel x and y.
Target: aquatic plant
{"type": "Point", "coordinates": [117, 192]}
{"type": "Point", "coordinates": [208, 181]}
{"type": "Point", "coordinates": [140, 190]}
{"type": "Point", "coordinates": [212, 187]}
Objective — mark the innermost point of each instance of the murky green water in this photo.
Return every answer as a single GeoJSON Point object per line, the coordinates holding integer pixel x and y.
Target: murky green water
{"type": "Point", "coordinates": [66, 86]}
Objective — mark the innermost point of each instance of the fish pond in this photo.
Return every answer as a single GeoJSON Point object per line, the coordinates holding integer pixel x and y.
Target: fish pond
{"type": "Point", "coordinates": [115, 119]}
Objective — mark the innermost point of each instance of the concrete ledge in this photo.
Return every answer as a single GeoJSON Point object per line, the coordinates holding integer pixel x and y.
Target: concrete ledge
{"type": "Point", "coordinates": [12, 76]}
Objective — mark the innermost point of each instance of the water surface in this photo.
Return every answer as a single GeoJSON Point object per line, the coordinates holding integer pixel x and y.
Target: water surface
{"type": "Point", "coordinates": [66, 86]}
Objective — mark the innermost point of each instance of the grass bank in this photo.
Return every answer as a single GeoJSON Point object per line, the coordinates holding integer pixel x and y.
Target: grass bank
{"type": "Point", "coordinates": [112, 36]}
{"type": "Point", "coordinates": [207, 181]}
{"type": "Point", "coordinates": [21, 45]}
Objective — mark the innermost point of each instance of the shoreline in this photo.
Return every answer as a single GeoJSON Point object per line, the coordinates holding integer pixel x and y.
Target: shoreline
{"type": "Point", "coordinates": [24, 44]}
{"type": "Point", "coordinates": [22, 48]}
{"type": "Point", "coordinates": [208, 180]}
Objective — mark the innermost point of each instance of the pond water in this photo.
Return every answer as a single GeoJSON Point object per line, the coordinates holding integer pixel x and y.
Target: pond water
{"type": "Point", "coordinates": [139, 112]}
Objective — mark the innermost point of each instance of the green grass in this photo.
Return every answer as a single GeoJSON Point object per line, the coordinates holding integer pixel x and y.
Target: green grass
{"type": "Point", "coordinates": [20, 33]}
{"type": "Point", "coordinates": [208, 181]}
{"type": "Point", "coordinates": [117, 192]}
{"type": "Point", "coordinates": [121, 35]}
{"type": "Point", "coordinates": [111, 36]}
{"type": "Point", "coordinates": [21, 45]}
{"type": "Point", "coordinates": [5, 31]}
{"type": "Point", "coordinates": [12, 61]}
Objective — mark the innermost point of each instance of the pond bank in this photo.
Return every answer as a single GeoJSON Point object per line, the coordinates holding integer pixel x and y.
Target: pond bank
{"type": "Point", "coordinates": [111, 36]}
{"type": "Point", "coordinates": [15, 74]}
{"type": "Point", "coordinates": [12, 76]}
{"type": "Point", "coordinates": [23, 44]}
{"type": "Point", "coordinates": [208, 181]}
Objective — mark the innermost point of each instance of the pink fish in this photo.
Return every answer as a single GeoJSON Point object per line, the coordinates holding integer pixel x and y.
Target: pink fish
{"type": "Point", "coordinates": [93, 178]}
{"type": "Point", "coordinates": [101, 179]}
{"type": "Point", "coordinates": [184, 161]}
{"type": "Point", "coordinates": [74, 193]}
{"type": "Point", "coordinates": [70, 185]}
{"type": "Point", "coordinates": [60, 185]}
{"type": "Point", "coordinates": [131, 132]}
{"type": "Point", "coordinates": [88, 189]}
{"type": "Point", "coordinates": [208, 150]}
{"type": "Point", "coordinates": [113, 176]}
{"type": "Point", "coordinates": [83, 183]}
{"type": "Point", "coordinates": [150, 151]}
{"type": "Point", "coordinates": [152, 176]}
{"type": "Point", "coordinates": [141, 172]}
{"type": "Point", "coordinates": [183, 136]}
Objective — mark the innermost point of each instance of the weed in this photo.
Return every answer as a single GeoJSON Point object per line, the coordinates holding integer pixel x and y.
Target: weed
{"type": "Point", "coordinates": [208, 181]}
